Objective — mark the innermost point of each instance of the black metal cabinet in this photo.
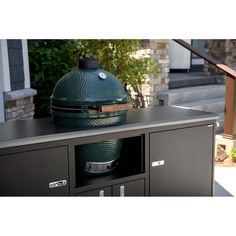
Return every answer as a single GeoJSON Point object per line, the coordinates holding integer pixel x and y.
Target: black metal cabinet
{"type": "Point", "coordinates": [35, 173]}
{"type": "Point", "coordinates": [131, 188]}
{"type": "Point", "coordinates": [181, 162]}
{"type": "Point", "coordinates": [167, 151]}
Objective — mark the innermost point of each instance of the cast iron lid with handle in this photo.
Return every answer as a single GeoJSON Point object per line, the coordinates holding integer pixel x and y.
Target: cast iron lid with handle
{"type": "Point", "coordinates": [89, 88]}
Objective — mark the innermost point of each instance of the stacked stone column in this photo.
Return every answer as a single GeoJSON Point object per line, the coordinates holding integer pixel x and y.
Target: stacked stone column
{"type": "Point", "coordinates": [157, 49]}
{"type": "Point", "coordinates": [19, 105]}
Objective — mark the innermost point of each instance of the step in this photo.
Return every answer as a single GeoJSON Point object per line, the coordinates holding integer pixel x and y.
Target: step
{"type": "Point", "coordinates": [215, 105]}
{"type": "Point", "coordinates": [190, 79]}
{"type": "Point", "coordinates": [184, 80]}
{"type": "Point", "coordinates": [184, 95]}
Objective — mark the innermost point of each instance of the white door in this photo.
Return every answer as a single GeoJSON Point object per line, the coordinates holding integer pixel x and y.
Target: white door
{"type": "Point", "coordinates": [180, 57]}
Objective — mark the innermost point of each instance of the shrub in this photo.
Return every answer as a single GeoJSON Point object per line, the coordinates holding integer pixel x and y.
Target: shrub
{"type": "Point", "coordinates": [233, 154]}
{"type": "Point", "coordinates": [49, 60]}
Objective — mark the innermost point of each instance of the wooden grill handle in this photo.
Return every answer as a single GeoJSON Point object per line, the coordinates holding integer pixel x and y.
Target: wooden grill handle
{"type": "Point", "coordinates": [116, 107]}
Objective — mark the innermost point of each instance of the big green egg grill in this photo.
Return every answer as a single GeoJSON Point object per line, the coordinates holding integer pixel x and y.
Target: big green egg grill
{"type": "Point", "coordinates": [87, 98]}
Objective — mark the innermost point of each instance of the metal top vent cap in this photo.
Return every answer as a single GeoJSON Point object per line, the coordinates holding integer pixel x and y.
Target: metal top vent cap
{"type": "Point", "coordinates": [88, 62]}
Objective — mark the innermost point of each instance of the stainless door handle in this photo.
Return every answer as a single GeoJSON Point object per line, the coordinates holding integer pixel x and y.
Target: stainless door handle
{"type": "Point", "coordinates": [158, 163]}
{"type": "Point", "coordinates": [57, 184]}
{"type": "Point", "coordinates": [101, 193]}
{"type": "Point", "coordinates": [122, 190]}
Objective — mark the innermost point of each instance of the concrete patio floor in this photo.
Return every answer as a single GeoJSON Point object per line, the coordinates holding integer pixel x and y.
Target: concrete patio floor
{"type": "Point", "coordinates": [225, 181]}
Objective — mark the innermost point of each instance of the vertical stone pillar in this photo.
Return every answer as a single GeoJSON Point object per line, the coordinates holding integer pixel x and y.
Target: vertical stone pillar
{"type": "Point", "coordinates": [157, 49]}
{"type": "Point", "coordinates": [19, 104]}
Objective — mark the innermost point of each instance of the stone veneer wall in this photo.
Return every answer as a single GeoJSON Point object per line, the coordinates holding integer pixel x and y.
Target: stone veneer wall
{"type": "Point", "coordinates": [223, 50]}
{"type": "Point", "coordinates": [158, 49]}
{"type": "Point", "coordinates": [230, 51]}
{"type": "Point", "coordinates": [19, 104]}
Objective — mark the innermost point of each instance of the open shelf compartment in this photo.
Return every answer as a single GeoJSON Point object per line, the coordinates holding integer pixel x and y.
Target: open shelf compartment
{"type": "Point", "coordinates": [130, 162]}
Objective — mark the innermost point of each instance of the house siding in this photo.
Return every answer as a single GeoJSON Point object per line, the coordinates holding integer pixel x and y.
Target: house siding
{"type": "Point", "coordinates": [16, 65]}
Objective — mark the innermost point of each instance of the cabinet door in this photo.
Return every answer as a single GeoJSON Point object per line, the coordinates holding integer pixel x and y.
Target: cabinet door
{"type": "Point", "coordinates": [132, 188]}
{"type": "Point", "coordinates": [181, 162]}
{"type": "Point", "coordinates": [35, 173]}
{"type": "Point", "coordinates": [103, 192]}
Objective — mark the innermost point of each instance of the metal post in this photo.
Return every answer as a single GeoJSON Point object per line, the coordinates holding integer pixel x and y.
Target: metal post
{"type": "Point", "coordinates": [230, 108]}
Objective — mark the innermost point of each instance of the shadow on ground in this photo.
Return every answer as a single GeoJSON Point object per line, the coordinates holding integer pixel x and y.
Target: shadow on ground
{"type": "Point", "coordinates": [220, 191]}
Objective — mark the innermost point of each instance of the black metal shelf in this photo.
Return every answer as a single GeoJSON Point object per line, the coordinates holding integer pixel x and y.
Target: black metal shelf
{"type": "Point", "coordinates": [119, 173]}
{"type": "Point", "coordinates": [108, 180]}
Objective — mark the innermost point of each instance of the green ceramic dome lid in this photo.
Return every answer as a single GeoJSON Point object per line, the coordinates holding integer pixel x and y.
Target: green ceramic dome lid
{"type": "Point", "coordinates": [88, 86]}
